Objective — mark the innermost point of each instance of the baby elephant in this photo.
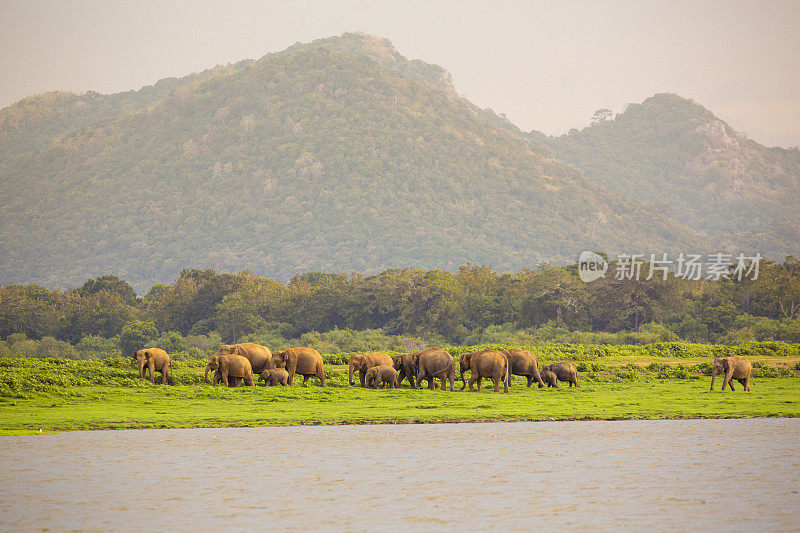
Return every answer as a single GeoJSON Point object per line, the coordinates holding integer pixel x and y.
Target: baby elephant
{"type": "Point", "coordinates": [550, 378]}
{"type": "Point", "coordinates": [564, 372]}
{"type": "Point", "coordinates": [274, 377]}
{"type": "Point", "coordinates": [381, 375]}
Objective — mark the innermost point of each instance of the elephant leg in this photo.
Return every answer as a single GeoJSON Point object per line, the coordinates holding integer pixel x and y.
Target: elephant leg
{"type": "Point", "coordinates": [730, 384]}
{"type": "Point", "coordinates": [444, 382]}
{"type": "Point", "coordinates": [480, 383]}
{"type": "Point", "coordinates": [164, 374]}
{"type": "Point", "coordinates": [472, 379]}
{"type": "Point", "coordinates": [530, 381]}
{"type": "Point", "coordinates": [431, 383]}
{"type": "Point", "coordinates": [362, 374]}
{"type": "Point", "coordinates": [746, 383]}
{"type": "Point", "coordinates": [305, 380]}
{"type": "Point", "coordinates": [321, 375]}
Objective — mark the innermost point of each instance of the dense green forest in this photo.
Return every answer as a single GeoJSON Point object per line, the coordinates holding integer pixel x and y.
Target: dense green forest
{"type": "Point", "coordinates": [339, 155]}
{"type": "Point", "coordinates": [397, 310]}
{"type": "Point", "coordinates": [693, 167]}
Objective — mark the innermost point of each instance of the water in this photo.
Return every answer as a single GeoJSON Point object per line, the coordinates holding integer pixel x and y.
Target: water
{"type": "Point", "coordinates": [688, 474]}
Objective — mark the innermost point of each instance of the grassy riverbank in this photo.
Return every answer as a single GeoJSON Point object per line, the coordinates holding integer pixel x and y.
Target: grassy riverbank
{"type": "Point", "coordinates": [58, 394]}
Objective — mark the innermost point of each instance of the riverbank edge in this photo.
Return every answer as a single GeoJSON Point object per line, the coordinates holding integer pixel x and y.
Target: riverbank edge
{"type": "Point", "coordinates": [390, 421]}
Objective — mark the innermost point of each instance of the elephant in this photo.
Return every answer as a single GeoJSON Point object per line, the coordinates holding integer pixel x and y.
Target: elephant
{"type": "Point", "coordinates": [550, 378]}
{"type": "Point", "coordinates": [737, 368]}
{"type": "Point", "coordinates": [364, 361]}
{"type": "Point", "coordinates": [155, 360]}
{"type": "Point", "coordinates": [405, 364]}
{"type": "Point", "coordinates": [234, 366]}
{"type": "Point", "coordinates": [382, 375]}
{"type": "Point", "coordinates": [435, 363]}
{"type": "Point", "coordinates": [232, 381]}
{"type": "Point", "coordinates": [485, 364]}
{"type": "Point", "coordinates": [564, 372]}
{"type": "Point", "coordinates": [523, 363]}
{"type": "Point", "coordinates": [259, 356]}
{"type": "Point", "coordinates": [274, 376]}
{"type": "Point", "coordinates": [304, 361]}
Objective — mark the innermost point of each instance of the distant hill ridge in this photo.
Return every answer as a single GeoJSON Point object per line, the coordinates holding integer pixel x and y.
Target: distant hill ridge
{"type": "Point", "coordinates": [336, 155]}
{"type": "Point", "coordinates": [679, 157]}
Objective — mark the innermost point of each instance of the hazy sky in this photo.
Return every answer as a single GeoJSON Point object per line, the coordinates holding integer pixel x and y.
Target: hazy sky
{"type": "Point", "coordinates": [547, 65]}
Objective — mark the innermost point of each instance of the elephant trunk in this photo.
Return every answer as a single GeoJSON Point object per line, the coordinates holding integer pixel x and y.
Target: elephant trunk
{"type": "Point", "coordinates": [208, 369]}
{"type": "Point", "coordinates": [350, 372]}
{"type": "Point", "coordinates": [713, 377]}
{"type": "Point", "coordinates": [537, 375]}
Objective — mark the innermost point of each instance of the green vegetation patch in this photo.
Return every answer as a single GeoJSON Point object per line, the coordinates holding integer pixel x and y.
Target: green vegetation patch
{"type": "Point", "coordinates": [59, 394]}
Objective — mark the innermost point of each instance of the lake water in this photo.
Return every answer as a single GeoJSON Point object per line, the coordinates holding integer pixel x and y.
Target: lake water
{"type": "Point", "coordinates": [670, 474]}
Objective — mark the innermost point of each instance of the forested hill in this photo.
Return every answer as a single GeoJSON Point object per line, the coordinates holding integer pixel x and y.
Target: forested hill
{"type": "Point", "coordinates": [316, 158]}
{"type": "Point", "coordinates": [677, 156]}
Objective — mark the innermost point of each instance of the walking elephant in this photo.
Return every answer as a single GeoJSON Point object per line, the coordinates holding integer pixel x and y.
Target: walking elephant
{"type": "Point", "coordinates": [737, 368]}
{"type": "Point", "coordinates": [274, 376]}
{"type": "Point", "coordinates": [304, 361]}
{"type": "Point", "coordinates": [549, 378]}
{"type": "Point", "coordinates": [435, 363]}
{"type": "Point", "coordinates": [564, 372]}
{"type": "Point", "coordinates": [232, 381]}
{"type": "Point", "coordinates": [523, 363]}
{"type": "Point", "coordinates": [231, 366]}
{"type": "Point", "coordinates": [382, 375]}
{"type": "Point", "coordinates": [259, 356]}
{"type": "Point", "coordinates": [364, 361]}
{"type": "Point", "coordinates": [155, 360]}
{"type": "Point", "coordinates": [404, 363]}
{"type": "Point", "coordinates": [485, 364]}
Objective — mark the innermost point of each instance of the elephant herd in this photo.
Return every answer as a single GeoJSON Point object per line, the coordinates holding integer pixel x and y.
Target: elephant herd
{"type": "Point", "coordinates": [238, 363]}
{"type": "Point", "coordinates": [377, 369]}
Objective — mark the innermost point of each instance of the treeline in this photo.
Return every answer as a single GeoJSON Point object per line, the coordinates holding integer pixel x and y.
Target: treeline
{"type": "Point", "coordinates": [398, 309]}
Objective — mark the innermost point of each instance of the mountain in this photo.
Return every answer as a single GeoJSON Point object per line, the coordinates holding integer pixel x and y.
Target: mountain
{"type": "Point", "coordinates": [679, 158]}
{"type": "Point", "coordinates": [337, 155]}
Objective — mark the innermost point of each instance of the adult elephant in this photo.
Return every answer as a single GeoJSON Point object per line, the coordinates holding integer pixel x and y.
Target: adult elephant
{"type": "Point", "coordinates": [435, 363]}
{"type": "Point", "coordinates": [564, 372]}
{"type": "Point", "coordinates": [155, 360]}
{"type": "Point", "coordinates": [523, 363]}
{"type": "Point", "coordinates": [304, 361]}
{"type": "Point", "coordinates": [485, 364]}
{"type": "Point", "coordinates": [737, 368]}
{"type": "Point", "coordinates": [404, 363]}
{"type": "Point", "coordinates": [259, 356]}
{"type": "Point", "coordinates": [231, 366]}
{"type": "Point", "coordinates": [364, 361]}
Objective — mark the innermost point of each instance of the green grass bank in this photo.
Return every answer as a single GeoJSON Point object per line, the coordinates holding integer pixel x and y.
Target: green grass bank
{"type": "Point", "coordinates": [643, 382]}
